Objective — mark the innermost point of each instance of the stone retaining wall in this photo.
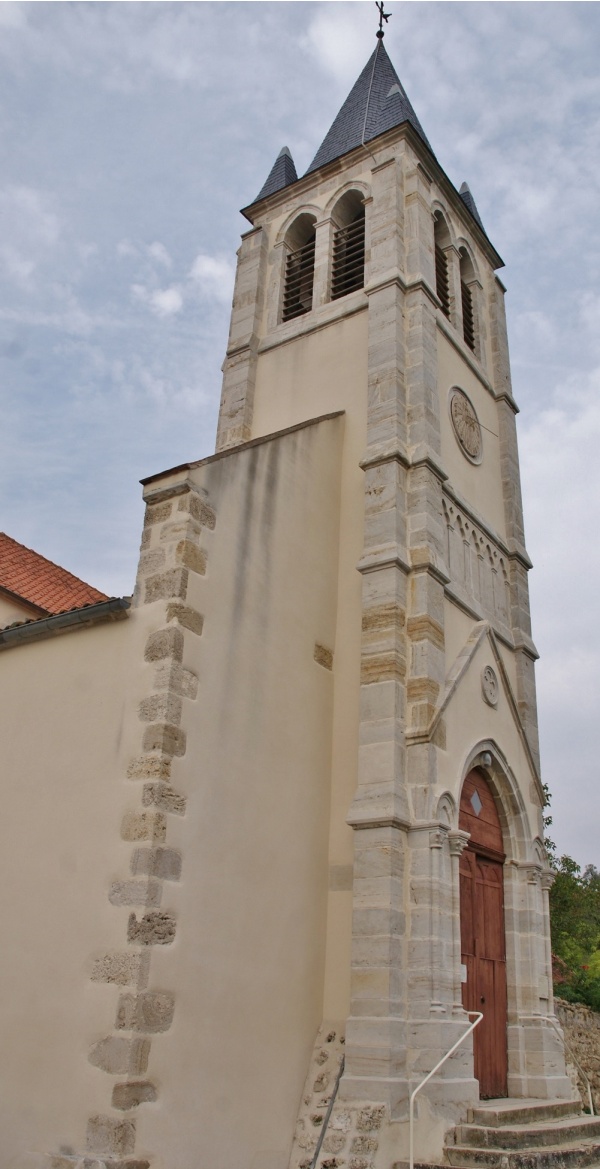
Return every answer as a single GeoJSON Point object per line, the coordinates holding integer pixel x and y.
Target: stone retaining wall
{"type": "Point", "coordinates": [581, 1026]}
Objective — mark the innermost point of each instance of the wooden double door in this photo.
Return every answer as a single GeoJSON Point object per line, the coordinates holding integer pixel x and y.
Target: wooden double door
{"type": "Point", "coordinates": [483, 942]}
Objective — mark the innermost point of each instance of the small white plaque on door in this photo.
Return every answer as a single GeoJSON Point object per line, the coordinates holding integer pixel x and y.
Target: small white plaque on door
{"type": "Point", "coordinates": [463, 972]}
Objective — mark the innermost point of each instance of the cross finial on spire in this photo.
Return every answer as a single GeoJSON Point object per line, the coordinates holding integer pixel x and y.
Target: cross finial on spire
{"type": "Point", "coordinates": [382, 16]}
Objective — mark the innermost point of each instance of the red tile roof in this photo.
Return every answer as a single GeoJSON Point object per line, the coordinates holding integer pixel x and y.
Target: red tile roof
{"type": "Point", "coordinates": [38, 581]}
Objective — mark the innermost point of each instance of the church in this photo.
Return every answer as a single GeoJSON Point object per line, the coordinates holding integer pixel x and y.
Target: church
{"type": "Point", "coordinates": [274, 834]}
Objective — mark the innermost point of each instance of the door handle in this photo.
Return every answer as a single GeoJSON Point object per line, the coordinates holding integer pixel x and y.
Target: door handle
{"type": "Point", "coordinates": [482, 999]}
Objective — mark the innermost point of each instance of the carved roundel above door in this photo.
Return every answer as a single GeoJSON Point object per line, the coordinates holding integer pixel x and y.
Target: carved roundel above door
{"type": "Point", "coordinates": [489, 685]}
{"type": "Point", "coordinates": [466, 425]}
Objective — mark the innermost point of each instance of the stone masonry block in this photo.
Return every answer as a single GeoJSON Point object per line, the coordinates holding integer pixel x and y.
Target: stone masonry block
{"type": "Point", "coordinates": [106, 1135]}
{"type": "Point", "coordinates": [323, 656]}
{"type": "Point", "coordinates": [167, 676]}
{"type": "Point", "coordinates": [121, 1056]}
{"type": "Point", "coordinates": [157, 513]}
{"type": "Point", "coordinates": [164, 737]}
{"type": "Point", "coordinates": [128, 1163]}
{"type": "Point", "coordinates": [126, 1011]}
{"type": "Point", "coordinates": [170, 675]}
{"type": "Point", "coordinates": [383, 620]}
{"type": "Point", "coordinates": [183, 527]}
{"type": "Point", "coordinates": [424, 628]}
{"type": "Point", "coordinates": [150, 1012]}
{"type": "Point", "coordinates": [193, 557]}
{"type": "Point", "coordinates": [149, 767]}
{"type": "Point", "coordinates": [164, 586]}
{"type": "Point", "coordinates": [132, 1094]}
{"type": "Point", "coordinates": [152, 561]}
{"type": "Point", "coordinates": [122, 968]}
{"type": "Point", "coordinates": [156, 928]}
{"type": "Point", "coordinates": [163, 863]}
{"type": "Point", "coordinates": [143, 826]}
{"type": "Point", "coordinates": [198, 509]}
{"type": "Point", "coordinates": [370, 1119]}
{"type": "Point", "coordinates": [161, 795]}
{"type": "Point", "coordinates": [163, 707]}
{"type": "Point", "coordinates": [166, 643]}
{"type": "Point", "coordinates": [146, 893]}
{"type": "Point", "coordinates": [189, 684]}
{"type": "Point", "coordinates": [388, 666]}
{"type": "Point", "coordinates": [186, 616]}
{"type": "Point", "coordinates": [364, 1144]}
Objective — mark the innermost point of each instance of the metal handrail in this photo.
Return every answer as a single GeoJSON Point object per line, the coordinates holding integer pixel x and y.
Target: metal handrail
{"type": "Point", "coordinates": [561, 1035]}
{"type": "Point", "coordinates": [411, 1127]}
{"type": "Point", "coordinates": [328, 1114]}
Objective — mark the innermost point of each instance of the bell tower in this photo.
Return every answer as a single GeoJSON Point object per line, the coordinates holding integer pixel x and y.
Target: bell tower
{"type": "Point", "coordinates": [369, 287]}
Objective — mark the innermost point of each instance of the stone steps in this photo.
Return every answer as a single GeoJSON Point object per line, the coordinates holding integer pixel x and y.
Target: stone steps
{"type": "Point", "coordinates": [523, 1134]}
{"type": "Point", "coordinates": [534, 1135]}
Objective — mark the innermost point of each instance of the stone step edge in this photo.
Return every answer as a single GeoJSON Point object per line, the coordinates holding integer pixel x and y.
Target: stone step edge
{"type": "Point", "coordinates": [446, 1164]}
{"type": "Point", "coordinates": [559, 1150]}
{"type": "Point", "coordinates": [495, 1117]}
{"type": "Point", "coordinates": [564, 1128]}
{"type": "Point", "coordinates": [464, 1157]}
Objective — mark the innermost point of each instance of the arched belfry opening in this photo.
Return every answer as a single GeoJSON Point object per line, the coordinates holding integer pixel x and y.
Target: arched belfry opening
{"type": "Point", "coordinates": [482, 930]}
{"type": "Point", "coordinates": [299, 267]}
{"type": "Point", "coordinates": [348, 270]}
{"type": "Point", "coordinates": [442, 241]}
{"type": "Point", "coordinates": [467, 282]}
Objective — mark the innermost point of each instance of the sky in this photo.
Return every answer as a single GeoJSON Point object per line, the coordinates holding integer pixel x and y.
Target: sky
{"type": "Point", "coordinates": [132, 133]}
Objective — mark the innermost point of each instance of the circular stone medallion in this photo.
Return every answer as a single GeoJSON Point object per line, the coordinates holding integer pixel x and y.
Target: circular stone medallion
{"type": "Point", "coordinates": [466, 425]}
{"type": "Point", "coordinates": [489, 686]}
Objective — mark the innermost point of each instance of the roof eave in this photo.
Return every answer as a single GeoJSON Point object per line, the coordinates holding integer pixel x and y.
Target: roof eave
{"type": "Point", "coordinates": [114, 609]}
{"type": "Point", "coordinates": [19, 599]}
{"type": "Point", "coordinates": [405, 130]}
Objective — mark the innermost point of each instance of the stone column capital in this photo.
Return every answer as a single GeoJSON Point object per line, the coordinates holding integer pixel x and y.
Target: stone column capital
{"type": "Point", "coordinates": [531, 872]}
{"type": "Point", "coordinates": [458, 841]}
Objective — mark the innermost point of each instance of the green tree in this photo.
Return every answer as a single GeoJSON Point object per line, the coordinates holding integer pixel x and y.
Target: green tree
{"type": "Point", "coordinates": [575, 928]}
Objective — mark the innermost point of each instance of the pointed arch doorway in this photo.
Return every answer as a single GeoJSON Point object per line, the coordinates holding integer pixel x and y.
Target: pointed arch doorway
{"type": "Point", "coordinates": [483, 941]}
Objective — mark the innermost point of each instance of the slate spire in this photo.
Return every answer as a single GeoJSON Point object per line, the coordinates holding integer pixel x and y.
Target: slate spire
{"type": "Point", "coordinates": [468, 200]}
{"type": "Point", "coordinates": [282, 173]}
{"type": "Point", "coordinates": [376, 103]}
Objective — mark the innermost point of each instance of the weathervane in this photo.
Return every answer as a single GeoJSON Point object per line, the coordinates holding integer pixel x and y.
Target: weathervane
{"type": "Point", "coordinates": [382, 16]}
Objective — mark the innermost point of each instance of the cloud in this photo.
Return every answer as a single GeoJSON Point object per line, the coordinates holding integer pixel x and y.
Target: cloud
{"type": "Point", "coordinates": [561, 486]}
{"type": "Point", "coordinates": [16, 266]}
{"type": "Point", "coordinates": [339, 45]}
{"type": "Point", "coordinates": [12, 15]}
{"type": "Point", "coordinates": [213, 275]}
{"type": "Point", "coordinates": [87, 251]}
{"type": "Point", "coordinates": [127, 50]}
{"type": "Point", "coordinates": [30, 230]}
{"type": "Point", "coordinates": [158, 252]}
{"type": "Point", "coordinates": [125, 249]}
{"type": "Point", "coordinates": [164, 302]}
{"type": "Point", "coordinates": [72, 319]}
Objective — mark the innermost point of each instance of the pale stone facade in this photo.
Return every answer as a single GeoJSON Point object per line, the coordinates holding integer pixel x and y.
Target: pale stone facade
{"type": "Point", "coordinates": [330, 631]}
